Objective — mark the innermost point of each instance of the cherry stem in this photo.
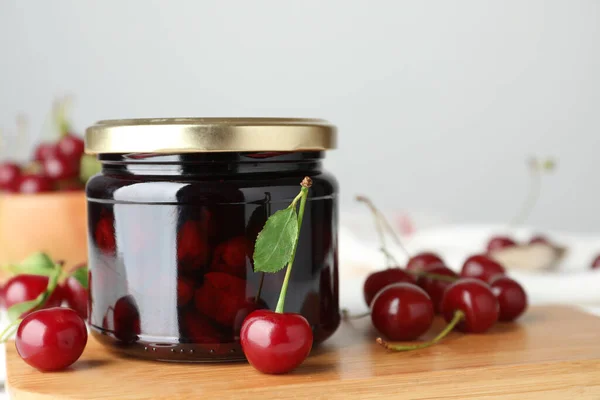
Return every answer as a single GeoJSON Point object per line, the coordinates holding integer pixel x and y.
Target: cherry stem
{"type": "Point", "coordinates": [458, 316]}
{"type": "Point", "coordinates": [380, 223]}
{"type": "Point", "coordinates": [9, 330]}
{"type": "Point", "coordinates": [63, 273]}
{"type": "Point", "coordinates": [536, 167]}
{"type": "Point", "coordinates": [347, 316]}
{"type": "Point", "coordinates": [306, 183]}
{"type": "Point", "coordinates": [378, 227]}
{"type": "Point", "coordinates": [389, 257]}
{"type": "Point", "coordinates": [391, 230]}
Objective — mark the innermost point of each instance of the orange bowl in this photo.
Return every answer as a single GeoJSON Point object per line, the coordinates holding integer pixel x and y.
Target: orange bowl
{"type": "Point", "coordinates": [51, 222]}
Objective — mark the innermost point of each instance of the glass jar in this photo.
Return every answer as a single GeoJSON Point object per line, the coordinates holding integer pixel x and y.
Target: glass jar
{"type": "Point", "coordinates": [172, 221]}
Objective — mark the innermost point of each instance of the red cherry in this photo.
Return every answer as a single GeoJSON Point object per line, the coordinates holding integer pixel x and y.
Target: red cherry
{"type": "Point", "coordinates": [422, 260]}
{"type": "Point", "coordinates": [199, 329]}
{"type": "Point", "coordinates": [71, 147]}
{"type": "Point", "coordinates": [511, 297]}
{"type": "Point", "coordinates": [193, 252]}
{"type": "Point", "coordinates": [105, 235]}
{"type": "Point", "coordinates": [230, 257]}
{"type": "Point", "coordinates": [2, 300]}
{"type": "Point", "coordinates": [32, 184]}
{"type": "Point", "coordinates": [539, 239]}
{"type": "Point", "coordinates": [2, 296]}
{"type": "Point", "coordinates": [248, 308]}
{"type": "Point", "coordinates": [476, 300]}
{"type": "Point", "coordinates": [126, 319]}
{"type": "Point", "coordinates": [402, 311]}
{"type": "Point", "coordinates": [481, 267]}
{"type": "Point", "coordinates": [51, 339]}
{"type": "Point", "coordinates": [500, 242]}
{"type": "Point", "coordinates": [596, 262]}
{"type": "Point", "coordinates": [59, 167]}
{"type": "Point", "coordinates": [44, 151]}
{"type": "Point", "coordinates": [76, 296]}
{"type": "Point", "coordinates": [435, 287]}
{"type": "Point", "coordinates": [275, 343]}
{"type": "Point", "coordinates": [23, 288]}
{"type": "Point", "coordinates": [220, 297]}
{"type": "Point", "coordinates": [378, 280]}
{"type": "Point", "coordinates": [10, 174]}
{"type": "Point", "coordinates": [185, 291]}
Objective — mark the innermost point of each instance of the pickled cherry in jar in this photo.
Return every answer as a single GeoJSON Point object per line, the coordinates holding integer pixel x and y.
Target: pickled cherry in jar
{"type": "Point", "coordinates": [172, 222]}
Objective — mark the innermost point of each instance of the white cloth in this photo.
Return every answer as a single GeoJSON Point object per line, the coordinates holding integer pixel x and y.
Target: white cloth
{"type": "Point", "coordinates": [572, 282]}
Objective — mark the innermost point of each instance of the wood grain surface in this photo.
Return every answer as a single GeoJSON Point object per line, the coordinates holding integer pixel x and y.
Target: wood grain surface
{"type": "Point", "coordinates": [552, 353]}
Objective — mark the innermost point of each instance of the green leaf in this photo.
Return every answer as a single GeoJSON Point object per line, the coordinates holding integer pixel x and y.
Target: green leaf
{"type": "Point", "coordinates": [15, 311]}
{"type": "Point", "coordinates": [81, 274]}
{"type": "Point", "coordinates": [275, 243]}
{"type": "Point", "coordinates": [38, 263]}
{"type": "Point", "coordinates": [37, 260]}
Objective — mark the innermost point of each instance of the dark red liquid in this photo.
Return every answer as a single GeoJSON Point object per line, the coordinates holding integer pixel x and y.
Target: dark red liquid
{"type": "Point", "coordinates": [171, 243]}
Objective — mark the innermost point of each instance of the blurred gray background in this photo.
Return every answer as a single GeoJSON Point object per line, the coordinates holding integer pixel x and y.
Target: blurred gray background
{"type": "Point", "coordinates": [438, 102]}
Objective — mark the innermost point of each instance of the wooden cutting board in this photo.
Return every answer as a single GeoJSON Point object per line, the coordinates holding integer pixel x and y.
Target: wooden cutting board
{"type": "Point", "coordinates": [552, 353]}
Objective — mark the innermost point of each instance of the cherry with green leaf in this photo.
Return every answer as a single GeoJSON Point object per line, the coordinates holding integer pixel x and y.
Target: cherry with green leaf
{"type": "Point", "coordinates": [48, 337]}
{"type": "Point", "coordinates": [33, 286]}
{"type": "Point", "coordinates": [276, 342]}
{"type": "Point", "coordinates": [22, 289]}
{"type": "Point", "coordinates": [27, 293]}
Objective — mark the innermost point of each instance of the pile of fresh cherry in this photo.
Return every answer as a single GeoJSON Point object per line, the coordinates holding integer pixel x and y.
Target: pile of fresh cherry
{"type": "Point", "coordinates": [404, 301]}
{"type": "Point", "coordinates": [55, 166]}
{"type": "Point", "coordinates": [48, 337]}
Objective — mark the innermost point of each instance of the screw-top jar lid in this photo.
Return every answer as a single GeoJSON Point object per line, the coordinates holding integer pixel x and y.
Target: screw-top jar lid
{"type": "Point", "coordinates": [179, 135]}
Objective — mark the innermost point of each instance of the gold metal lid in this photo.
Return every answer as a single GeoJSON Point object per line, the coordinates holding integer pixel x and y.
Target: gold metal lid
{"type": "Point", "coordinates": [185, 135]}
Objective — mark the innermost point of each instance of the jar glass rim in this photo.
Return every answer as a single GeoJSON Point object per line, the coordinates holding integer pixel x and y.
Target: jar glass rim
{"type": "Point", "coordinates": [182, 135]}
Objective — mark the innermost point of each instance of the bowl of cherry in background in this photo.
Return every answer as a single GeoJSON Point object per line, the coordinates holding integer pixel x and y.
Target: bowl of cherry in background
{"type": "Point", "coordinates": [42, 202]}
{"type": "Point", "coordinates": [537, 253]}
